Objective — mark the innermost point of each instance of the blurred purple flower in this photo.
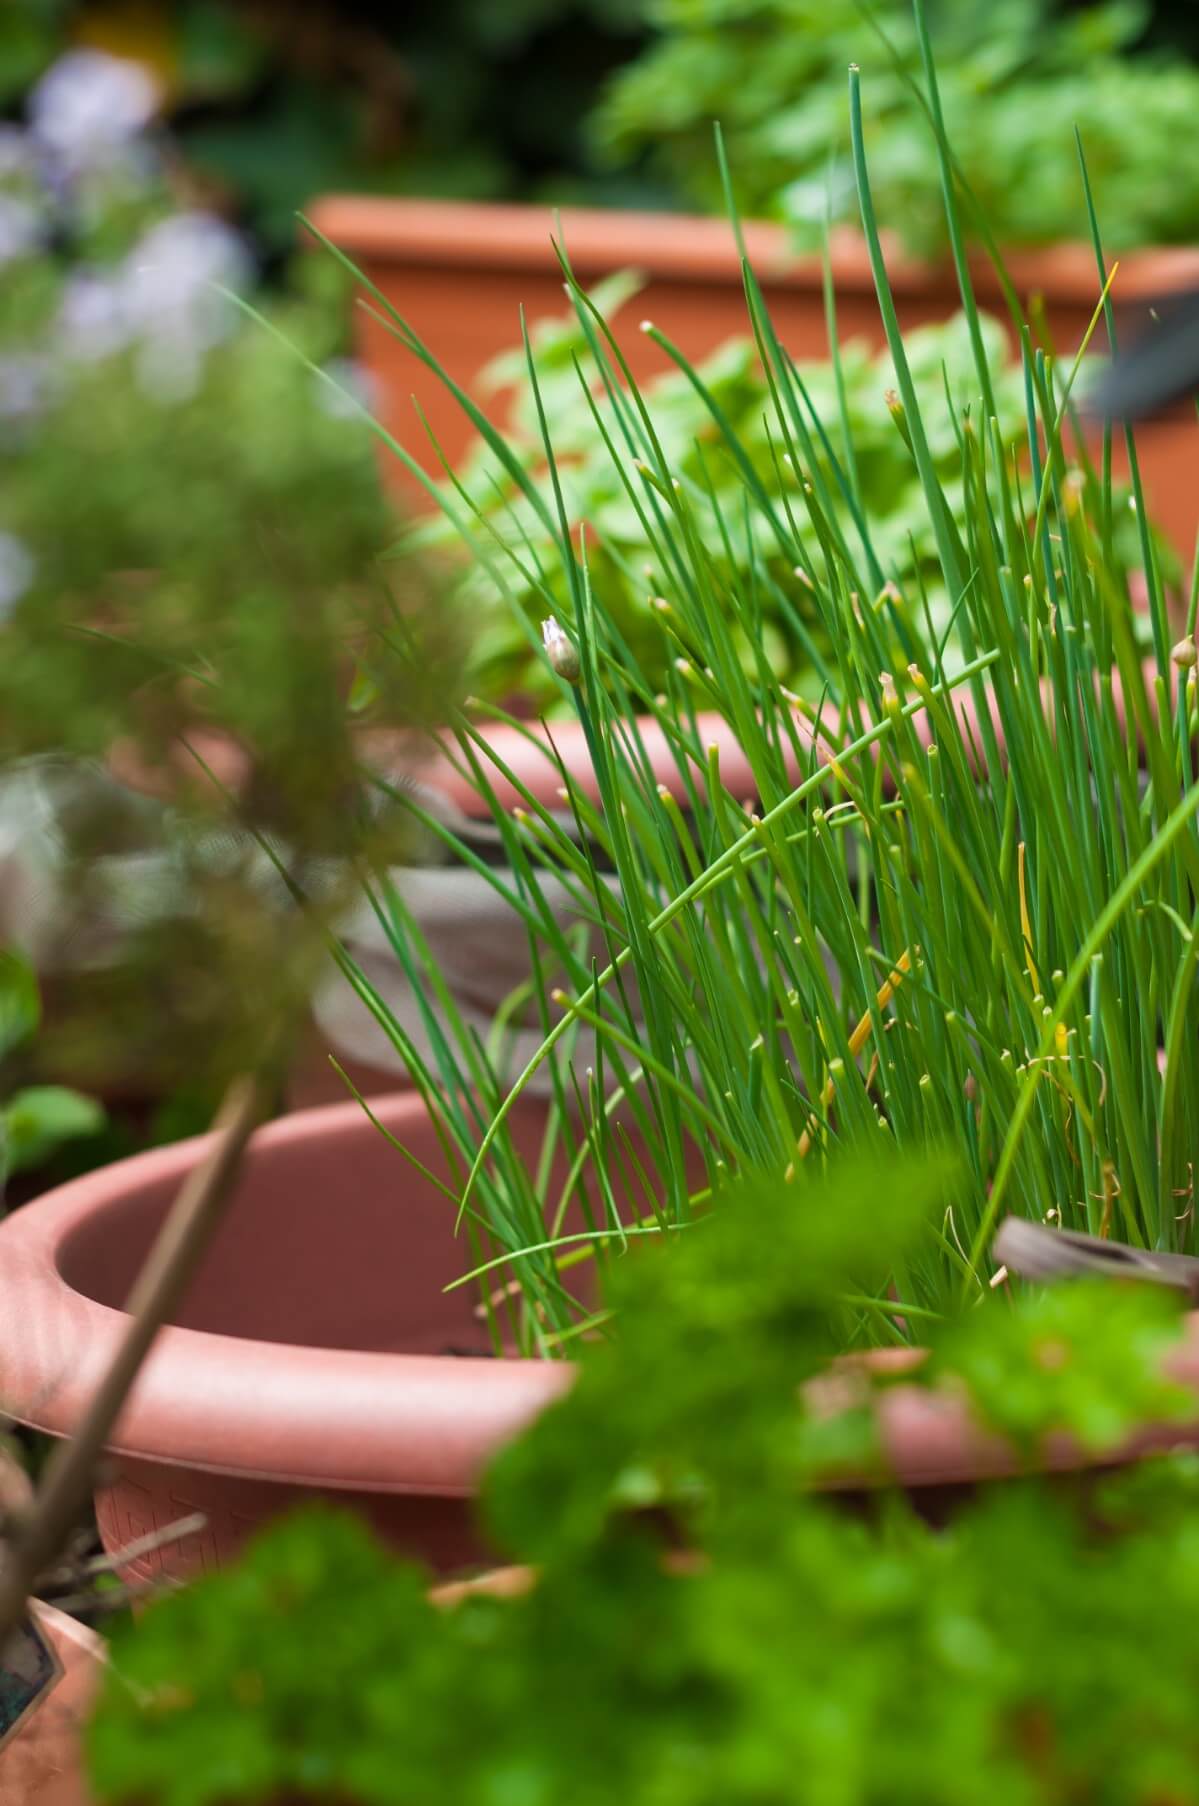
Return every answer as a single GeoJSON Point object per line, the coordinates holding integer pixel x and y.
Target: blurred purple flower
{"type": "Point", "coordinates": [23, 385]}
{"type": "Point", "coordinates": [93, 319]}
{"type": "Point", "coordinates": [162, 298]}
{"type": "Point", "coordinates": [17, 566]}
{"type": "Point", "coordinates": [21, 228]}
{"type": "Point", "coordinates": [130, 173]}
{"type": "Point", "coordinates": [170, 276]}
{"type": "Point", "coordinates": [18, 155]}
{"type": "Point", "coordinates": [173, 306]}
{"type": "Point", "coordinates": [88, 104]}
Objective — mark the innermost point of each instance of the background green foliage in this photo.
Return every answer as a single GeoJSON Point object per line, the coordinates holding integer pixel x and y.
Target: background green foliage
{"type": "Point", "coordinates": [1017, 76]}
{"type": "Point", "coordinates": [219, 531]}
{"type": "Point", "coordinates": [269, 103]}
{"type": "Point", "coordinates": [36, 1121]}
{"type": "Point", "coordinates": [214, 597]}
{"type": "Point", "coordinates": [190, 527]}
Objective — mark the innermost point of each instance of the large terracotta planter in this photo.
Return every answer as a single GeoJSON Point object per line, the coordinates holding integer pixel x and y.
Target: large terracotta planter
{"type": "Point", "coordinates": [318, 1354]}
{"type": "Point", "coordinates": [460, 272]}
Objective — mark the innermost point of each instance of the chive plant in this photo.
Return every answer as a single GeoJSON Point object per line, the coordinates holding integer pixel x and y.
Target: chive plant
{"type": "Point", "coordinates": [960, 903]}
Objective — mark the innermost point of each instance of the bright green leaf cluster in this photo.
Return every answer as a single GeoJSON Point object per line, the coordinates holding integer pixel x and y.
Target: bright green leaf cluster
{"type": "Point", "coordinates": [628, 580]}
{"type": "Point", "coordinates": [1016, 76]}
{"type": "Point", "coordinates": [35, 1120]}
{"type": "Point", "coordinates": [1084, 1358]}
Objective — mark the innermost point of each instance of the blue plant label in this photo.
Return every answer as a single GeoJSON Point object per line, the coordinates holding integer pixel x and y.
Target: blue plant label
{"type": "Point", "coordinates": [29, 1669]}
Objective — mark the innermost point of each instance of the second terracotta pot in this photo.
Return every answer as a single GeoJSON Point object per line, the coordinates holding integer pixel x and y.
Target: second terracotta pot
{"type": "Point", "coordinates": [461, 272]}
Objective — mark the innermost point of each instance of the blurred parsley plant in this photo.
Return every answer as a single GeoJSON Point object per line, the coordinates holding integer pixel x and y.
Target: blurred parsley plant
{"type": "Point", "coordinates": [803, 1653]}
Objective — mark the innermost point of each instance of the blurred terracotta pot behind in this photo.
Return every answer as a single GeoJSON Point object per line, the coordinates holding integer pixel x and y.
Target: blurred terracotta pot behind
{"type": "Point", "coordinates": [460, 272]}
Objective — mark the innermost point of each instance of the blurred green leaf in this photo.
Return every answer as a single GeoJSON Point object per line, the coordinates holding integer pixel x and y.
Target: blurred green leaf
{"type": "Point", "coordinates": [221, 55]}
{"type": "Point", "coordinates": [20, 1004]}
{"type": "Point", "coordinates": [28, 41]}
{"type": "Point", "coordinates": [1015, 78]}
{"type": "Point", "coordinates": [39, 1119]}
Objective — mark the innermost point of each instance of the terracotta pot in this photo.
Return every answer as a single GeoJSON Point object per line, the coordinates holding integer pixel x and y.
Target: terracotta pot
{"type": "Point", "coordinates": [42, 1763]}
{"type": "Point", "coordinates": [525, 758]}
{"type": "Point", "coordinates": [316, 1353]}
{"type": "Point", "coordinates": [460, 272]}
{"type": "Point", "coordinates": [312, 1355]}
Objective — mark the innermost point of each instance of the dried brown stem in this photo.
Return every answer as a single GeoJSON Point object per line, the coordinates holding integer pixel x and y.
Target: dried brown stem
{"type": "Point", "coordinates": [70, 1574]}
{"type": "Point", "coordinates": [160, 1285]}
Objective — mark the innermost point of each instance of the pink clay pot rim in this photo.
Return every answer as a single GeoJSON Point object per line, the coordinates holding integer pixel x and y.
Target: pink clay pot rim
{"type": "Point", "coordinates": [390, 1423]}
{"type": "Point", "coordinates": [529, 752]}
{"type": "Point", "coordinates": [473, 235]}
{"type": "Point", "coordinates": [356, 1420]}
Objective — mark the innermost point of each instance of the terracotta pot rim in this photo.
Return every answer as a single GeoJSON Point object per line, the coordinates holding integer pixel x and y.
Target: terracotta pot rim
{"type": "Point", "coordinates": [42, 1762]}
{"type": "Point", "coordinates": [700, 248]}
{"type": "Point", "coordinates": [357, 1420]}
{"type": "Point", "coordinates": [932, 1438]}
{"type": "Point", "coordinates": [529, 752]}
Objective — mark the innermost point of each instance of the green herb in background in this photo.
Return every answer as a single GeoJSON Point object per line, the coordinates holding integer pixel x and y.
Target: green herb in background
{"type": "Point", "coordinates": [1016, 78]}
{"type": "Point", "coordinates": [200, 630]}
{"type": "Point", "coordinates": [190, 531]}
{"type": "Point", "coordinates": [848, 406]}
{"type": "Point", "coordinates": [212, 599]}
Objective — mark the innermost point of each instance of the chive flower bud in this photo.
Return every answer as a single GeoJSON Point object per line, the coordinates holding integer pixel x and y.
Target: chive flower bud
{"type": "Point", "coordinates": [898, 414]}
{"type": "Point", "coordinates": [562, 653]}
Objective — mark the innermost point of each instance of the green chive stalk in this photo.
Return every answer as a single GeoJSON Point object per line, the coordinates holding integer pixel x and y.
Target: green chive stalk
{"type": "Point", "coordinates": [951, 898]}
